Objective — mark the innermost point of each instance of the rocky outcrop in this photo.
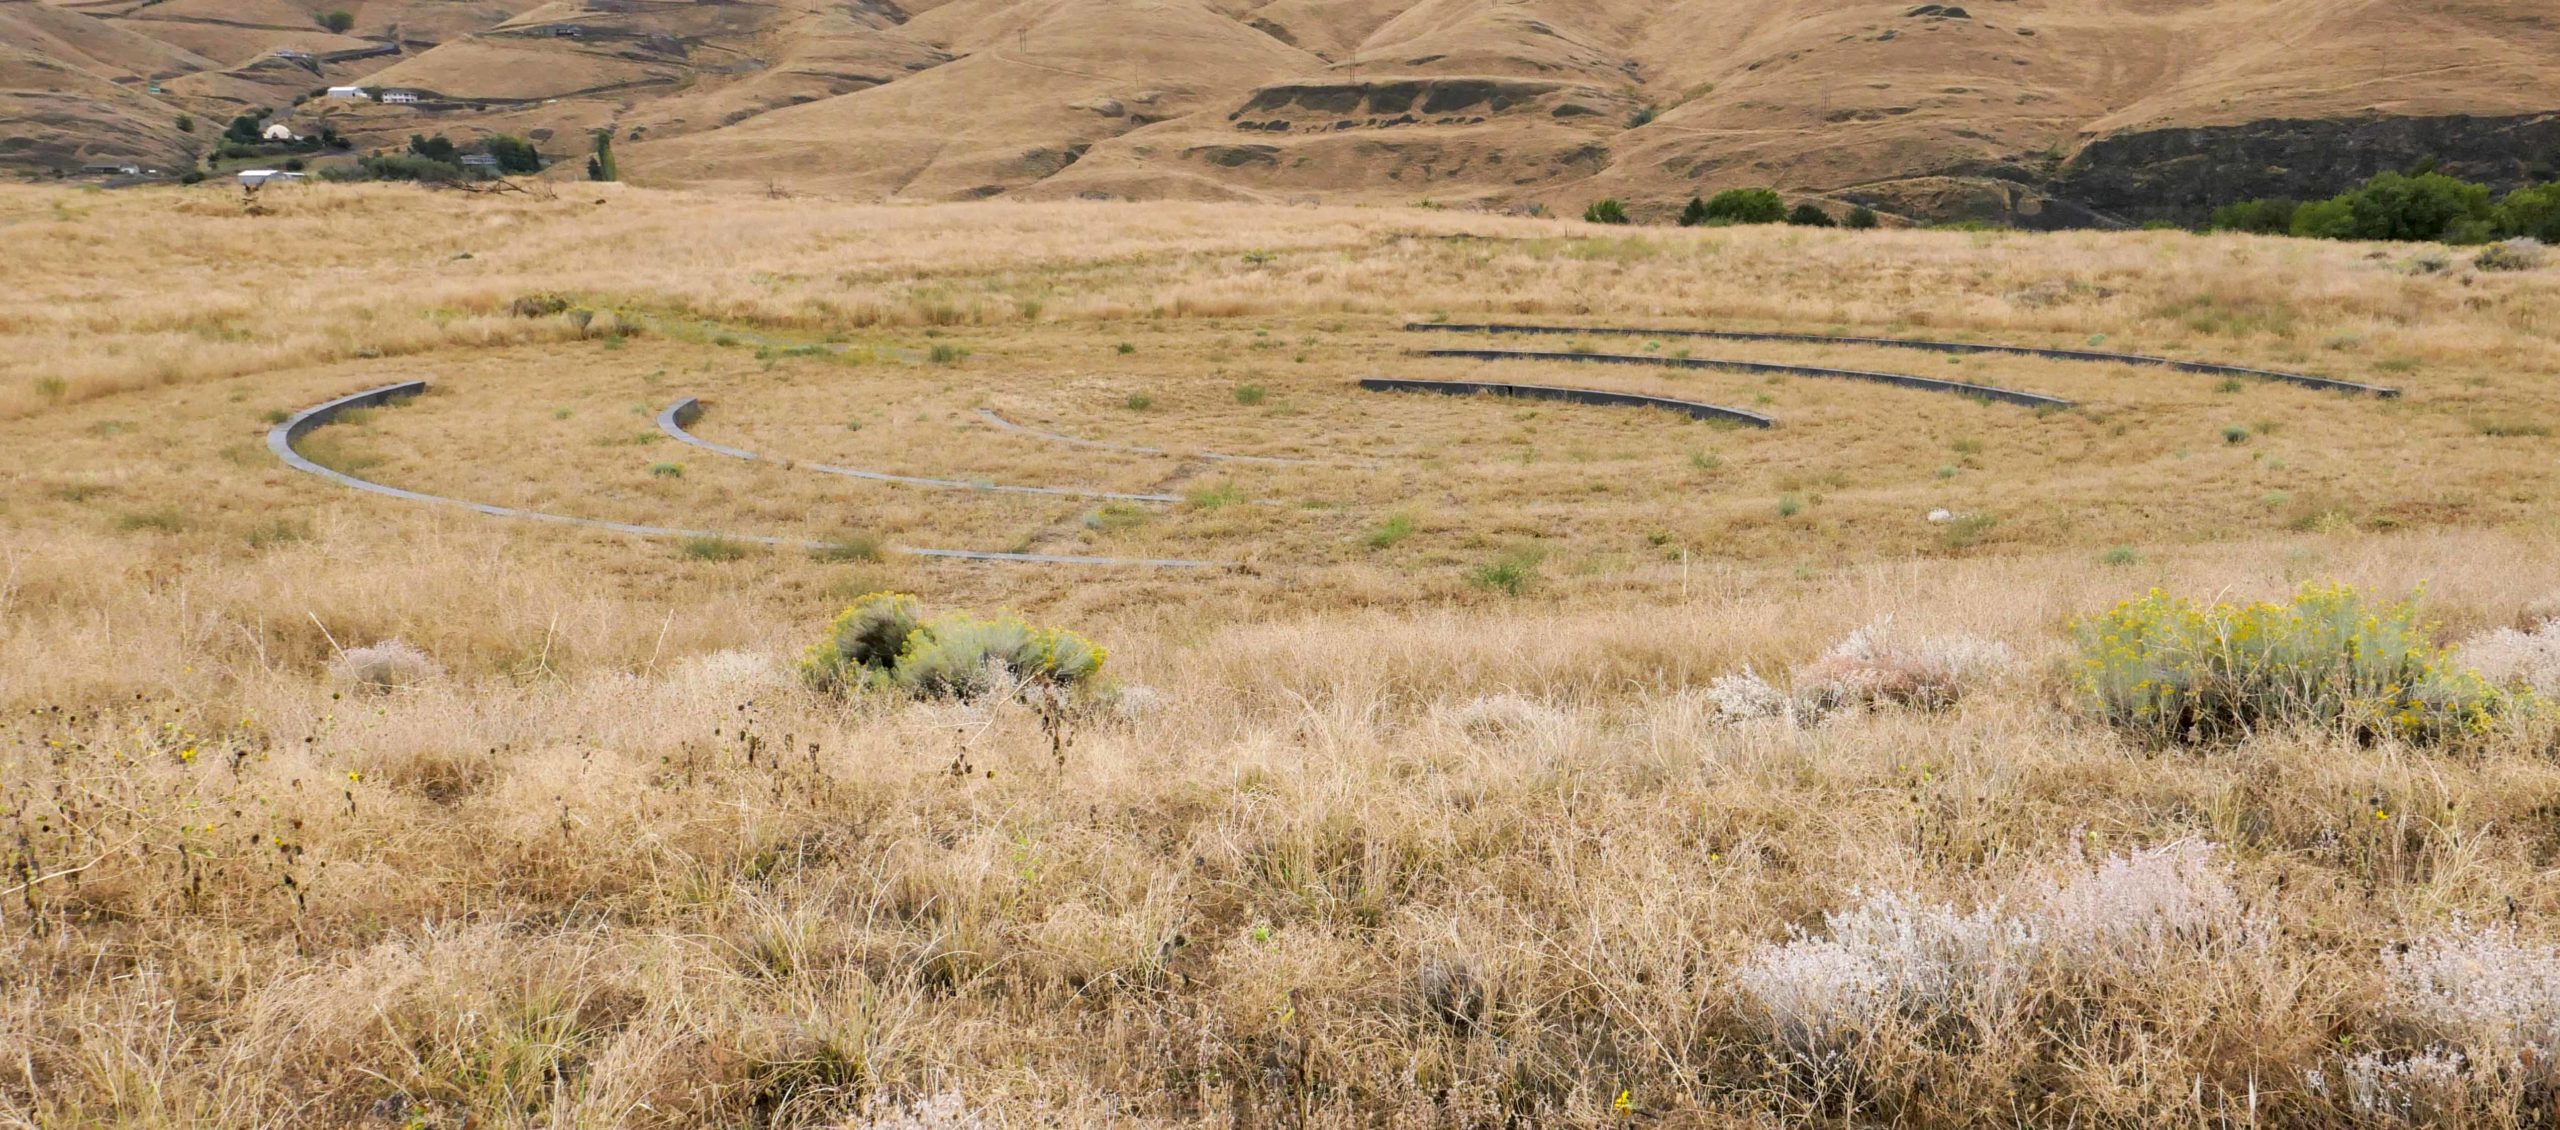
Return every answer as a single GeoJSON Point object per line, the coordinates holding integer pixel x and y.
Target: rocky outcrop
{"type": "Point", "coordinates": [2181, 175]}
{"type": "Point", "coordinates": [1422, 101]}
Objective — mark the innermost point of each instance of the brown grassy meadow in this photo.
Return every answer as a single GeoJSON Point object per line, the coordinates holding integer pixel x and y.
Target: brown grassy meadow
{"type": "Point", "coordinates": [1420, 812]}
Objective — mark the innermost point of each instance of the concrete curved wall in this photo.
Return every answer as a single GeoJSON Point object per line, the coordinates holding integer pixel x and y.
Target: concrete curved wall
{"type": "Point", "coordinates": [2305, 380]}
{"type": "Point", "coordinates": [282, 438]}
{"type": "Point", "coordinates": [1573, 395]}
{"type": "Point", "coordinates": [1901, 380]}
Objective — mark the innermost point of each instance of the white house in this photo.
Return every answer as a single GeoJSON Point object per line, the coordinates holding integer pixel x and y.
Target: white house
{"type": "Point", "coordinates": [252, 178]}
{"type": "Point", "coordinates": [400, 97]}
{"type": "Point", "coordinates": [346, 92]}
{"type": "Point", "coordinates": [279, 132]}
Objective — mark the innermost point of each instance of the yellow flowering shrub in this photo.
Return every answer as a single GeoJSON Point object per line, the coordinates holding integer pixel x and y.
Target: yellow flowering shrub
{"type": "Point", "coordinates": [882, 642]}
{"type": "Point", "coordinates": [2183, 670]}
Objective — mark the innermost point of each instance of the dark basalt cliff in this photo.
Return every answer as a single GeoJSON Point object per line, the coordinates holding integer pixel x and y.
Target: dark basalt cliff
{"type": "Point", "coordinates": [2181, 175]}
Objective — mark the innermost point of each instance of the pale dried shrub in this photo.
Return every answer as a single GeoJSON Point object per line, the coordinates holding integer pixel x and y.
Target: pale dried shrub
{"type": "Point", "coordinates": [1133, 702]}
{"type": "Point", "coordinates": [1884, 663]}
{"type": "Point", "coordinates": [1890, 957]}
{"type": "Point", "coordinates": [729, 672]}
{"type": "Point", "coordinates": [2512, 658]}
{"type": "Point", "coordinates": [2406, 1087]}
{"type": "Point", "coordinates": [2480, 1013]}
{"type": "Point", "coordinates": [390, 665]}
{"type": "Point", "coordinates": [943, 1111]}
{"type": "Point", "coordinates": [1895, 959]}
{"type": "Point", "coordinates": [1744, 695]}
{"type": "Point", "coordinates": [2480, 988]}
{"type": "Point", "coordinates": [2133, 909]}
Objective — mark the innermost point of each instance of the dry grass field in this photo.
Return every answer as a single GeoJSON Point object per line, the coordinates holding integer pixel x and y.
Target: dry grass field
{"type": "Point", "coordinates": [1433, 803]}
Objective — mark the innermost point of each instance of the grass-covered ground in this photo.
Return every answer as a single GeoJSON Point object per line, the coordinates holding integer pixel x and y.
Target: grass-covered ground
{"type": "Point", "coordinates": [1431, 807]}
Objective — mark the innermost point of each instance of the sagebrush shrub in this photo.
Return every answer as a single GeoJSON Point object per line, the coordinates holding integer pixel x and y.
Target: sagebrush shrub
{"type": "Point", "coordinates": [863, 643]}
{"type": "Point", "coordinates": [2170, 667]}
{"type": "Point", "coordinates": [882, 642]}
{"type": "Point", "coordinates": [966, 657]}
{"type": "Point", "coordinates": [2523, 253]}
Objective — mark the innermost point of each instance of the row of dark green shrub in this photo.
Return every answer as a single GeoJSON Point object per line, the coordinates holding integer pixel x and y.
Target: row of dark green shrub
{"type": "Point", "coordinates": [1739, 206]}
{"type": "Point", "coordinates": [2420, 205]}
{"type": "Point", "coordinates": [437, 159]}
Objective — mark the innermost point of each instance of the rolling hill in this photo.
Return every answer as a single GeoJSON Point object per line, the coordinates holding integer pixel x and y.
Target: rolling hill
{"type": "Point", "coordinates": [2036, 112]}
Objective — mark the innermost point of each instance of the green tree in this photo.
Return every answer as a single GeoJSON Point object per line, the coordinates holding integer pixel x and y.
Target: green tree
{"type": "Point", "coordinates": [514, 154]}
{"type": "Point", "coordinates": [1694, 214]}
{"type": "Point", "coordinates": [1807, 215]}
{"type": "Point", "coordinates": [186, 123]}
{"type": "Point", "coordinates": [2399, 206]}
{"type": "Point", "coordinates": [2533, 210]}
{"type": "Point", "coordinates": [1605, 211]}
{"type": "Point", "coordinates": [243, 130]}
{"type": "Point", "coordinates": [340, 22]}
{"type": "Point", "coordinates": [600, 166]}
{"type": "Point", "coordinates": [1746, 206]}
{"type": "Point", "coordinates": [2325, 219]}
{"type": "Point", "coordinates": [2425, 206]}
{"type": "Point", "coordinates": [2265, 217]}
{"type": "Point", "coordinates": [1862, 218]}
{"type": "Point", "coordinates": [405, 166]}
{"type": "Point", "coordinates": [433, 148]}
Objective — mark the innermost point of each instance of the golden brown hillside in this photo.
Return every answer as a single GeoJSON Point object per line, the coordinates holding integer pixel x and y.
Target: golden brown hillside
{"type": "Point", "coordinates": [2040, 112]}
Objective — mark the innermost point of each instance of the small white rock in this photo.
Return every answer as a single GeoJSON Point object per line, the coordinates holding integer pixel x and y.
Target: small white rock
{"type": "Point", "coordinates": [1942, 514]}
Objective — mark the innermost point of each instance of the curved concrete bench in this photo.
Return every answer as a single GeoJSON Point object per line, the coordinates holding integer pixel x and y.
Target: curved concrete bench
{"type": "Point", "coordinates": [1573, 395]}
{"type": "Point", "coordinates": [1902, 380]}
{"type": "Point", "coordinates": [990, 416]}
{"type": "Point", "coordinates": [281, 439]}
{"type": "Point", "coordinates": [2305, 380]}
{"type": "Point", "coordinates": [680, 415]}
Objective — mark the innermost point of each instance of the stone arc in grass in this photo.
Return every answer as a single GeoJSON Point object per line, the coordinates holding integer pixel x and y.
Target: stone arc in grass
{"type": "Point", "coordinates": [2305, 380]}
{"type": "Point", "coordinates": [282, 438]}
{"type": "Point", "coordinates": [1899, 380]}
{"type": "Point", "coordinates": [1574, 395]}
